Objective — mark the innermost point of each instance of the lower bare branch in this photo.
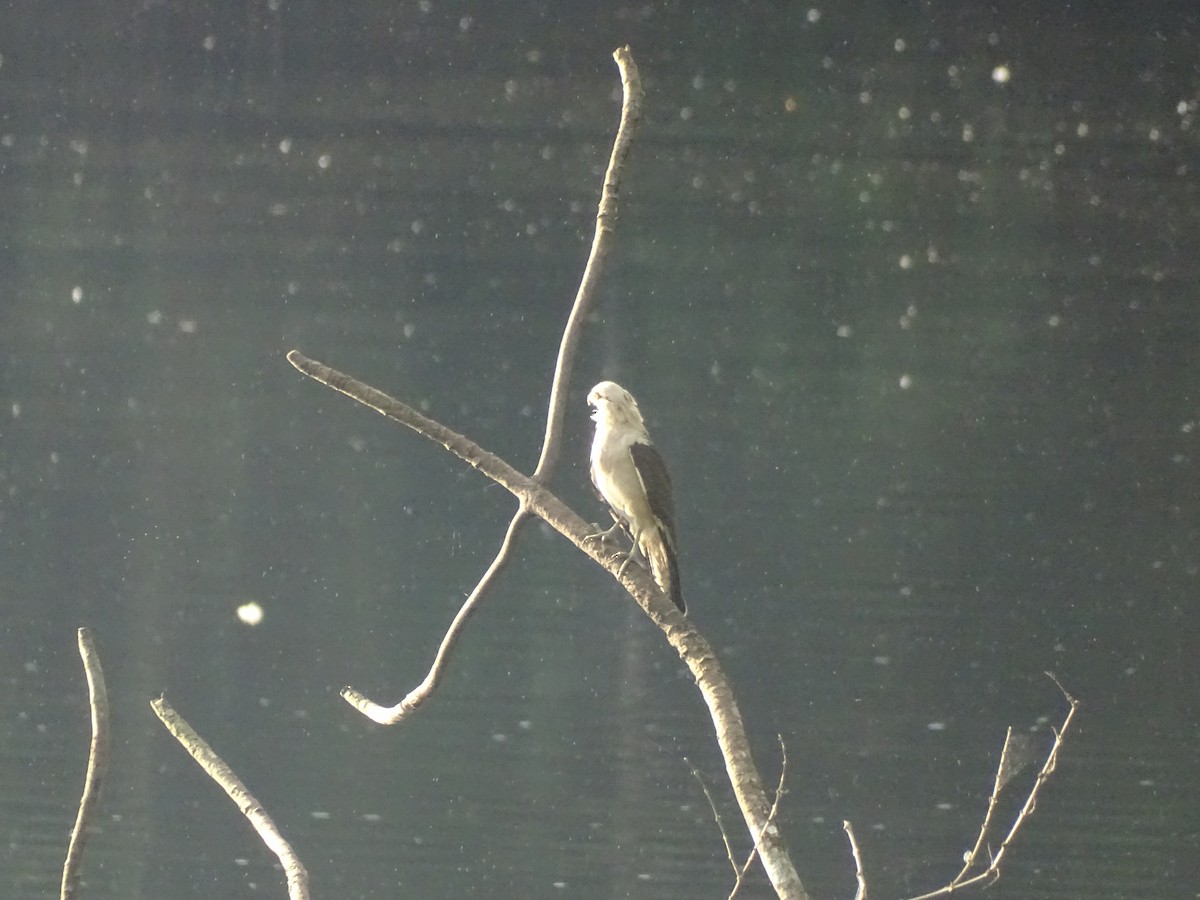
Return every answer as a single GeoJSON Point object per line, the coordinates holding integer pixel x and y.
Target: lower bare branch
{"type": "Point", "coordinates": [98, 756]}
{"type": "Point", "coordinates": [859, 877]}
{"type": "Point", "coordinates": [712, 804]}
{"type": "Point", "coordinates": [390, 715]}
{"type": "Point", "coordinates": [219, 771]}
{"type": "Point", "coordinates": [691, 646]}
{"type": "Point", "coordinates": [992, 871]}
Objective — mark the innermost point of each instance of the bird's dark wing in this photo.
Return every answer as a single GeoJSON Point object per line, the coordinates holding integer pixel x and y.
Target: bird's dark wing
{"type": "Point", "coordinates": [657, 483]}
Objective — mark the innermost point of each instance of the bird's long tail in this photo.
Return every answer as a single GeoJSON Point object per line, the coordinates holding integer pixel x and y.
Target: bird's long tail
{"type": "Point", "coordinates": [663, 565]}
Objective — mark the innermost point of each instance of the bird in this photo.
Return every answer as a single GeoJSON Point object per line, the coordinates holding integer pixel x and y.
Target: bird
{"type": "Point", "coordinates": [631, 477]}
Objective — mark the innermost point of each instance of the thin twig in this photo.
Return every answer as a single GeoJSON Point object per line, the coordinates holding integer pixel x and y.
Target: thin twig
{"type": "Point", "coordinates": [712, 804]}
{"type": "Point", "coordinates": [859, 877]}
{"type": "Point", "coordinates": [97, 767]}
{"type": "Point", "coordinates": [972, 859]}
{"type": "Point", "coordinates": [992, 872]}
{"type": "Point", "coordinates": [770, 820]}
{"type": "Point", "coordinates": [219, 771]}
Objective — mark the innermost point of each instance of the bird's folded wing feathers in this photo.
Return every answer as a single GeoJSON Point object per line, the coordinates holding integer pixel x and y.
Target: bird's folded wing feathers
{"type": "Point", "coordinates": [650, 468]}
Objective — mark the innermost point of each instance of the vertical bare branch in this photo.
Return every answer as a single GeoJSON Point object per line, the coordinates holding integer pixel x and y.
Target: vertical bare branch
{"type": "Point", "coordinates": [971, 860]}
{"type": "Point", "coordinates": [859, 878]}
{"type": "Point", "coordinates": [97, 767]}
{"type": "Point", "coordinates": [606, 217]}
{"type": "Point", "coordinates": [631, 113]}
{"type": "Point", "coordinates": [741, 873]}
{"type": "Point", "coordinates": [219, 771]}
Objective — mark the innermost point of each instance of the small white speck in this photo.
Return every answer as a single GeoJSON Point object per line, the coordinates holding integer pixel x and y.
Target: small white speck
{"type": "Point", "coordinates": [320, 815]}
{"type": "Point", "coordinates": [936, 726]}
{"type": "Point", "coordinates": [906, 261]}
{"type": "Point", "coordinates": [905, 382]}
{"type": "Point", "coordinates": [209, 43]}
{"type": "Point", "coordinates": [250, 613]}
{"type": "Point", "coordinates": [324, 160]}
{"type": "Point", "coordinates": [844, 331]}
{"type": "Point", "coordinates": [77, 294]}
{"type": "Point", "coordinates": [1001, 74]}
{"type": "Point", "coordinates": [285, 146]}
{"type": "Point", "coordinates": [814, 16]}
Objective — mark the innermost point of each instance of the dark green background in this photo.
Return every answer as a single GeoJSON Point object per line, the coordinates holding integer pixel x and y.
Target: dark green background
{"type": "Point", "coordinates": [920, 346]}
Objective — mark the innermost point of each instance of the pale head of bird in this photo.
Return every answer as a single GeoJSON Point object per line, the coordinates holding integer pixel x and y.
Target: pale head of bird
{"type": "Point", "coordinates": [614, 405]}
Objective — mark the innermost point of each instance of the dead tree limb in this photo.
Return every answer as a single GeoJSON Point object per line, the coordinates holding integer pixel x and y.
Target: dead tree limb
{"type": "Point", "coordinates": [218, 770]}
{"type": "Point", "coordinates": [985, 875]}
{"type": "Point", "coordinates": [779, 792]}
{"type": "Point", "coordinates": [631, 114]}
{"type": "Point", "coordinates": [533, 498]}
{"type": "Point", "coordinates": [97, 768]}
{"type": "Point", "coordinates": [691, 646]}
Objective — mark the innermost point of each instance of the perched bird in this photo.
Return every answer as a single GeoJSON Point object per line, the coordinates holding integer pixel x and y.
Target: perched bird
{"type": "Point", "coordinates": [632, 479]}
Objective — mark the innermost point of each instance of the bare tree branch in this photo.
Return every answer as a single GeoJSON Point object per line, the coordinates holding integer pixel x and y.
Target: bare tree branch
{"type": "Point", "coordinates": [631, 113]}
{"type": "Point", "coordinates": [691, 646]}
{"type": "Point", "coordinates": [219, 771]}
{"type": "Point", "coordinates": [98, 756]}
{"type": "Point", "coordinates": [606, 217]}
{"type": "Point", "coordinates": [712, 804]}
{"type": "Point", "coordinates": [859, 877]}
{"type": "Point", "coordinates": [390, 715]}
{"type": "Point", "coordinates": [779, 792]}
{"type": "Point", "coordinates": [991, 872]}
